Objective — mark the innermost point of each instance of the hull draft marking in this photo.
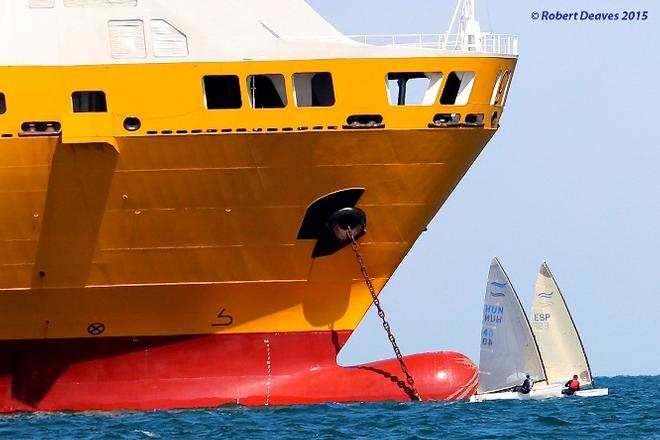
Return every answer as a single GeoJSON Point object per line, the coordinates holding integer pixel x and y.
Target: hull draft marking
{"type": "Point", "coordinates": [223, 319]}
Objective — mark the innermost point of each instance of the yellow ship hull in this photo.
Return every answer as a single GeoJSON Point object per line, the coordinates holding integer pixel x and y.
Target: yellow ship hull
{"type": "Point", "coordinates": [181, 247]}
{"type": "Point", "coordinates": [188, 226]}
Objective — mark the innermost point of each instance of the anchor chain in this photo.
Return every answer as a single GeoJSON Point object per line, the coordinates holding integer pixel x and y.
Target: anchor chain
{"type": "Point", "coordinates": [381, 314]}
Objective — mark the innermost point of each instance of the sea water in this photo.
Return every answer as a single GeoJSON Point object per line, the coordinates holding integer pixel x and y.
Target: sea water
{"type": "Point", "coordinates": [632, 410]}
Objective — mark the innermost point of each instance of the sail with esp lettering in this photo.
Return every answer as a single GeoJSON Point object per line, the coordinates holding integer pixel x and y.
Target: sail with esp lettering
{"type": "Point", "coordinates": [556, 334]}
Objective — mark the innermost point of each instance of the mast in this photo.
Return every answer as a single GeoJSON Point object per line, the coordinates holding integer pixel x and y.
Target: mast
{"type": "Point", "coordinates": [469, 30]}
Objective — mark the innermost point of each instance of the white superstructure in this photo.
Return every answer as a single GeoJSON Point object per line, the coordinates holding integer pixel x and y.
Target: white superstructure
{"type": "Point", "coordinates": [84, 32]}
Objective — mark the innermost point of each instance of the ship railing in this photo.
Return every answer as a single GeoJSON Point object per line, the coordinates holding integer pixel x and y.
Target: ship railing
{"type": "Point", "coordinates": [500, 44]}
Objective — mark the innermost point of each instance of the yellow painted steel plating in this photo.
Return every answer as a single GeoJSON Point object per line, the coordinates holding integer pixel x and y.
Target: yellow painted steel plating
{"type": "Point", "coordinates": [156, 234]}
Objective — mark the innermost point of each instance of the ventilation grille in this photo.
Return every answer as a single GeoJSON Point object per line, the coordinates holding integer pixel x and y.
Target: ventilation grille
{"type": "Point", "coordinates": [73, 3]}
{"type": "Point", "coordinates": [41, 4]}
{"type": "Point", "coordinates": [127, 39]}
{"type": "Point", "coordinates": [167, 40]}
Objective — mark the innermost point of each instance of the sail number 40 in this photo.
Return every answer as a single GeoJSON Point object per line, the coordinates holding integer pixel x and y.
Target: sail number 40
{"type": "Point", "coordinates": [487, 335]}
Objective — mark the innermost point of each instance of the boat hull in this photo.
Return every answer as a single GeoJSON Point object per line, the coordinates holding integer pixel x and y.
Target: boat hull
{"type": "Point", "coordinates": [211, 370]}
{"type": "Point", "coordinates": [163, 266]}
{"type": "Point", "coordinates": [595, 392]}
{"type": "Point", "coordinates": [538, 392]}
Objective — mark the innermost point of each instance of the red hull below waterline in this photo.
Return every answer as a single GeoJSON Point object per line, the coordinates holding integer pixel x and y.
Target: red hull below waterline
{"type": "Point", "coordinates": [211, 370]}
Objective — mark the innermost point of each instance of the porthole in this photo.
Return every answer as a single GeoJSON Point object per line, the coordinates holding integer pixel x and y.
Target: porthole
{"type": "Point", "coordinates": [132, 123]}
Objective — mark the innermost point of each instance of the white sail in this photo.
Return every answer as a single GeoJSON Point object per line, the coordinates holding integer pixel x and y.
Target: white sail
{"type": "Point", "coordinates": [557, 337]}
{"type": "Point", "coordinates": [508, 349]}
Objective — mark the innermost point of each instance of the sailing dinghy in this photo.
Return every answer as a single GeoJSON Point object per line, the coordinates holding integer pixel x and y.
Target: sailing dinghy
{"type": "Point", "coordinates": [558, 338]}
{"type": "Point", "coordinates": [508, 349]}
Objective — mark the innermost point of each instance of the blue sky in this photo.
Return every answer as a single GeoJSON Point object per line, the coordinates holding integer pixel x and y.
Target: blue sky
{"type": "Point", "coordinates": [571, 178]}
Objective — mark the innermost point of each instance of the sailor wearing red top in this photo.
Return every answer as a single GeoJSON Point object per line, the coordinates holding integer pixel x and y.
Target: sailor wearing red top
{"type": "Point", "coordinates": [572, 385]}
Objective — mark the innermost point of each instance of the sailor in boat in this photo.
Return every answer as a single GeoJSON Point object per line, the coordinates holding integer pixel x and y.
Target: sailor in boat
{"type": "Point", "coordinates": [526, 386]}
{"type": "Point", "coordinates": [572, 386]}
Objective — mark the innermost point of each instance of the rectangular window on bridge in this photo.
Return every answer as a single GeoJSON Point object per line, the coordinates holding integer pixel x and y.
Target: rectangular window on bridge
{"type": "Point", "coordinates": [413, 88]}
{"type": "Point", "coordinates": [3, 103]}
{"type": "Point", "coordinates": [457, 88]}
{"type": "Point", "coordinates": [313, 89]}
{"type": "Point", "coordinates": [267, 91]}
{"type": "Point", "coordinates": [222, 92]}
{"type": "Point", "coordinates": [89, 102]}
